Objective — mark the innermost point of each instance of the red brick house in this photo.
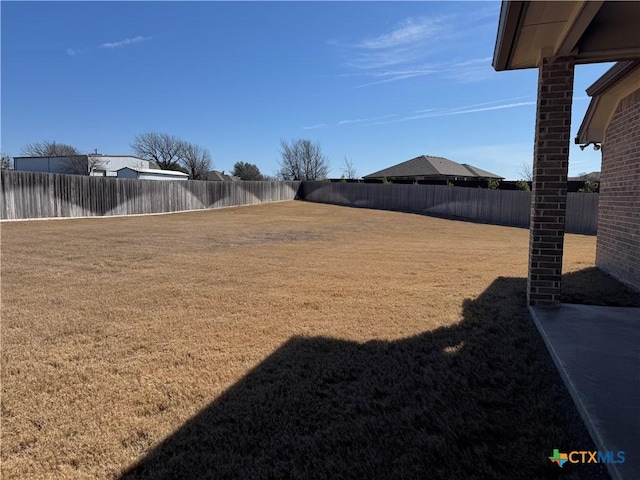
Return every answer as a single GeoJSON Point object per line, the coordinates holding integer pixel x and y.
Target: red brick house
{"type": "Point", "coordinates": [554, 37]}
{"type": "Point", "coordinates": [612, 123]}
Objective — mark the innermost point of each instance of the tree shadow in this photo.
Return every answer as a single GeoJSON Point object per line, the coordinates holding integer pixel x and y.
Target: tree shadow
{"type": "Point", "coordinates": [479, 399]}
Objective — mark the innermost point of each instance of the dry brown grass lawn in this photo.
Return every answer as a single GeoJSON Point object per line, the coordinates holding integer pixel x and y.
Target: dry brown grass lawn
{"type": "Point", "coordinates": [300, 339]}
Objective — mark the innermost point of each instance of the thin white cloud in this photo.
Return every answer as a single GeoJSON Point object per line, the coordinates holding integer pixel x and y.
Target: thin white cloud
{"type": "Point", "coordinates": [408, 31]}
{"type": "Point", "coordinates": [474, 110]}
{"type": "Point", "coordinates": [404, 51]}
{"type": "Point", "coordinates": [464, 110]}
{"type": "Point", "coordinates": [472, 70]}
{"type": "Point", "coordinates": [375, 60]}
{"type": "Point", "coordinates": [392, 79]}
{"type": "Point", "coordinates": [409, 41]}
{"type": "Point", "coordinates": [465, 107]}
{"type": "Point", "coordinates": [361, 120]}
{"type": "Point", "coordinates": [425, 113]}
{"type": "Point", "coordinates": [432, 113]}
{"type": "Point", "coordinates": [473, 61]}
{"type": "Point", "coordinates": [416, 71]}
{"type": "Point", "coordinates": [108, 45]}
{"type": "Point", "coordinates": [483, 104]}
{"type": "Point", "coordinates": [126, 41]}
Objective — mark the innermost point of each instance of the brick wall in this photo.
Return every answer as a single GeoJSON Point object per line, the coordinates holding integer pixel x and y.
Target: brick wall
{"type": "Point", "coordinates": [549, 192]}
{"type": "Point", "coordinates": [618, 247]}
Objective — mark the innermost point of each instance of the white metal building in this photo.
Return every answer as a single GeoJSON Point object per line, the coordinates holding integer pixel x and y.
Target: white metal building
{"type": "Point", "coordinates": [93, 164]}
{"type": "Point", "coordinates": [110, 164]}
{"type": "Point", "coordinates": [151, 174]}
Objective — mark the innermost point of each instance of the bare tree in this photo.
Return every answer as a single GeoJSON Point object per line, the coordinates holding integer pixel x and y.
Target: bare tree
{"type": "Point", "coordinates": [526, 171]}
{"type": "Point", "coordinates": [49, 148]}
{"type": "Point", "coordinates": [163, 149]}
{"type": "Point", "coordinates": [6, 163]}
{"type": "Point", "coordinates": [196, 160]}
{"type": "Point", "coordinates": [247, 171]}
{"type": "Point", "coordinates": [348, 170]}
{"type": "Point", "coordinates": [302, 160]}
{"type": "Point", "coordinates": [95, 163]}
{"type": "Point", "coordinates": [81, 164]}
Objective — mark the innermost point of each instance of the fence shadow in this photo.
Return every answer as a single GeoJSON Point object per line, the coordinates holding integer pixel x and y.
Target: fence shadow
{"type": "Point", "coordinates": [479, 399]}
{"type": "Point", "coordinates": [499, 207]}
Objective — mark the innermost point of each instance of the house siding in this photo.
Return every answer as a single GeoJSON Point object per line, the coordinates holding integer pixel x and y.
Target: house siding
{"type": "Point", "coordinates": [618, 245]}
{"type": "Point", "coordinates": [112, 163]}
{"type": "Point", "coordinates": [126, 173]}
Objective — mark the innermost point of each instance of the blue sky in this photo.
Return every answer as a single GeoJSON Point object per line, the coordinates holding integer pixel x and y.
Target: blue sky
{"type": "Point", "coordinates": [376, 82]}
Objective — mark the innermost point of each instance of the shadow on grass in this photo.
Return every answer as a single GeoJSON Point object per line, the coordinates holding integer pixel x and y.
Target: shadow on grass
{"type": "Point", "coordinates": [480, 399]}
{"type": "Point", "coordinates": [592, 286]}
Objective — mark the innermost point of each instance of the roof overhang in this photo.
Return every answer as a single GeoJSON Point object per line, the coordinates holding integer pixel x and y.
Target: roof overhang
{"type": "Point", "coordinates": [590, 31]}
{"type": "Point", "coordinates": [619, 81]}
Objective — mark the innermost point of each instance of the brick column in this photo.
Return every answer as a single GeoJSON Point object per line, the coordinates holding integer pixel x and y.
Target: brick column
{"type": "Point", "coordinates": [549, 192]}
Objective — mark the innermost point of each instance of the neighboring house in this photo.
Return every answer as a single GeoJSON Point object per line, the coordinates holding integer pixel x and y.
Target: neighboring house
{"type": "Point", "coordinates": [151, 174]}
{"type": "Point", "coordinates": [93, 164]}
{"type": "Point", "coordinates": [426, 167]}
{"type": "Point", "coordinates": [612, 122]}
{"type": "Point", "coordinates": [587, 177]}
{"type": "Point", "coordinates": [216, 176]}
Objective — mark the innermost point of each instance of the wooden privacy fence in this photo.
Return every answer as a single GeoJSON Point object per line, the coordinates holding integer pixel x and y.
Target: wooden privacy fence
{"type": "Point", "coordinates": [46, 195]}
{"type": "Point", "coordinates": [502, 207]}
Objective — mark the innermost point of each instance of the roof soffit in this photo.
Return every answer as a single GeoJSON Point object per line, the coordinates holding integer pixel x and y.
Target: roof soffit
{"type": "Point", "coordinates": [603, 106]}
{"type": "Point", "coordinates": [592, 31]}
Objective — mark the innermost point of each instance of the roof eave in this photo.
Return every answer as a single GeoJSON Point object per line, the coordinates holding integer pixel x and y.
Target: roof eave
{"type": "Point", "coordinates": [582, 135]}
{"type": "Point", "coordinates": [510, 17]}
{"type": "Point", "coordinates": [587, 133]}
{"type": "Point", "coordinates": [611, 76]}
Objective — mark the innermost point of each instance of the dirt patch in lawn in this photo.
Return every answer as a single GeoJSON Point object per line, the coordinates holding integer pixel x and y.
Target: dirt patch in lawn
{"type": "Point", "coordinates": [222, 343]}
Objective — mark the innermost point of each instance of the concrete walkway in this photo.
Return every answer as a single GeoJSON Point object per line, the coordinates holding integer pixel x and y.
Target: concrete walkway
{"type": "Point", "coordinates": [597, 351]}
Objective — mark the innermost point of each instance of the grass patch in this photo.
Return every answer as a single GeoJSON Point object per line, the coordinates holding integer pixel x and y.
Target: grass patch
{"type": "Point", "coordinates": [289, 339]}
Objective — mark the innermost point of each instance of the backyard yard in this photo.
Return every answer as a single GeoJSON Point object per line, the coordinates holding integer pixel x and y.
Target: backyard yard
{"type": "Point", "coordinates": [281, 340]}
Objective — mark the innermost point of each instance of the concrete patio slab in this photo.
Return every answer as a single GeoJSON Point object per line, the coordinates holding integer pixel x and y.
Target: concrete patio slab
{"type": "Point", "coordinates": [597, 351]}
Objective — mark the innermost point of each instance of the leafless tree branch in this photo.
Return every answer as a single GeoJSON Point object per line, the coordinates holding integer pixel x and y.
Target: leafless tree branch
{"type": "Point", "coordinates": [81, 164]}
{"type": "Point", "coordinates": [348, 170]}
{"type": "Point", "coordinates": [196, 160]}
{"type": "Point", "coordinates": [526, 171]}
{"type": "Point", "coordinates": [302, 160]}
{"type": "Point", "coordinates": [163, 149]}
{"type": "Point", "coordinates": [6, 163]}
{"type": "Point", "coordinates": [49, 148]}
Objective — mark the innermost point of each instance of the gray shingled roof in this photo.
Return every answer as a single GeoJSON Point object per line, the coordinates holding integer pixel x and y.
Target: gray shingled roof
{"type": "Point", "coordinates": [426, 165]}
{"type": "Point", "coordinates": [221, 176]}
{"type": "Point", "coordinates": [481, 173]}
